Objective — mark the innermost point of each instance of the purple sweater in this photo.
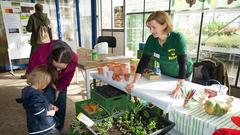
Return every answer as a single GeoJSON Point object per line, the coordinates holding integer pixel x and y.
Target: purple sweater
{"type": "Point", "coordinates": [40, 58]}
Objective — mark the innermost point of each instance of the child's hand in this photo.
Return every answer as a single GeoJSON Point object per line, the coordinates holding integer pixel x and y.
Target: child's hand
{"type": "Point", "coordinates": [53, 107]}
{"type": "Point", "coordinates": [51, 113]}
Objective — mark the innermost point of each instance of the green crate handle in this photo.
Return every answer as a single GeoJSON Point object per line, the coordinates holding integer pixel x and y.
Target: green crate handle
{"type": "Point", "coordinates": [117, 98]}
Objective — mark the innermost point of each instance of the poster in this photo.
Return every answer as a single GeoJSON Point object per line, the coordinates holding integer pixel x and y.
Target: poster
{"type": "Point", "coordinates": [15, 16]}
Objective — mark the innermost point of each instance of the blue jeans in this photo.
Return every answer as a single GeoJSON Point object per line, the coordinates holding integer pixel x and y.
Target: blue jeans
{"type": "Point", "coordinates": [49, 93]}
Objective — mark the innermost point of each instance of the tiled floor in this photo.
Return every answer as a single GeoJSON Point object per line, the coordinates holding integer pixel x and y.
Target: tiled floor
{"type": "Point", "coordinates": [12, 115]}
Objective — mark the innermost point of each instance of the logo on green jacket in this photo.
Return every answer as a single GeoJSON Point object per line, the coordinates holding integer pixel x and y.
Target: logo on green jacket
{"type": "Point", "coordinates": [172, 54]}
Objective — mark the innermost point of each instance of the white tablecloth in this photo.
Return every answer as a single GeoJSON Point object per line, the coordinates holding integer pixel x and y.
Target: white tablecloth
{"type": "Point", "coordinates": [154, 91]}
{"type": "Point", "coordinates": [191, 121]}
{"type": "Point", "coordinates": [194, 121]}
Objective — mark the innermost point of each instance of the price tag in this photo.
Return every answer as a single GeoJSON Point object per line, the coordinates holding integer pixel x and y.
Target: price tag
{"type": "Point", "coordinates": [85, 119]}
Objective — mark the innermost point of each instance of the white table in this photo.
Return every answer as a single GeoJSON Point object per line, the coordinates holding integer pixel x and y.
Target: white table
{"type": "Point", "coordinates": [85, 63]}
{"type": "Point", "coordinates": [154, 91]}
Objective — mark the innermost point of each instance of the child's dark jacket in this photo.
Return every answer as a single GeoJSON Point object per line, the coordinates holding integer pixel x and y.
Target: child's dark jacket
{"type": "Point", "coordinates": [36, 106]}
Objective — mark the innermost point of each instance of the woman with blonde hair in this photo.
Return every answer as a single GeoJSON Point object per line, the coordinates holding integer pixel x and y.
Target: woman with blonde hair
{"type": "Point", "coordinates": [40, 113]}
{"type": "Point", "coordinates": [168, 47]}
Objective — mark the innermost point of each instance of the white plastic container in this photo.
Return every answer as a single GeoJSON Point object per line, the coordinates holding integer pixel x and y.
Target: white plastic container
{"type": "Point", "coordinates": [102, 48]}
{"type": "Point", "coordinates": [216, 90]}
{"type": "Point", "coordinates": [223, 90]}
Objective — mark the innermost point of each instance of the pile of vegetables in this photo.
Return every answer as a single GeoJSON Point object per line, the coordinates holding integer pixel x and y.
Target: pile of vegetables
{"type": "Point", "coordinates": [214, 107]}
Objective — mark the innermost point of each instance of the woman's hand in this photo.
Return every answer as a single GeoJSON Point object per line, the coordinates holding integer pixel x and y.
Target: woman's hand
{"type": "Point", "coordinates": [130, 87]}
{"type": "Point", "coordinates": [177, 93]}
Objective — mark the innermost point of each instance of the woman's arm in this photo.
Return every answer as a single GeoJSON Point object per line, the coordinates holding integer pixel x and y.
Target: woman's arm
{"type": "Point", "coordinates": [182, 60]}
{"type": "Point", "coordinates": [143, 64]}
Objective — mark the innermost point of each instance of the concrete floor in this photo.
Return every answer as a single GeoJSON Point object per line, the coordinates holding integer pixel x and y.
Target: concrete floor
{"type": "Point", "coordinates": [12, 115]}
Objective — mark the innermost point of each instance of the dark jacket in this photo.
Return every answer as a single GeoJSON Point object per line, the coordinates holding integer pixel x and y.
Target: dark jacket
{"type": "Point", "coordinates": [36, 106]}
{"type": "Point", "coordinates": [210, 68]}
{"type": "Point", "coordinates": [35, 21]}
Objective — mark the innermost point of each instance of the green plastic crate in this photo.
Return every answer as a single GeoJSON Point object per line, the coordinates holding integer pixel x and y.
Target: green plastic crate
{"type": "Point", "coordinates": [99, 114]}
{"type": "Point", "coordinates": [113, 100]}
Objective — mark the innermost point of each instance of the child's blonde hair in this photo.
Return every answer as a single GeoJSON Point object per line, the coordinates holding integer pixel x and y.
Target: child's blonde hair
{"type": "Point", "coordinates": [39, 77]}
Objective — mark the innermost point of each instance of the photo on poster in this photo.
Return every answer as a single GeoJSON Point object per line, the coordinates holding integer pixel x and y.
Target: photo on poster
{"type": "Point", "coordinates": [27, 9]}
{"type": "Point", "coordinates": [16, 7]}
{"type": "Point", "coordinates": [24, 18]}
{"type": "Point", "coordinates": [13, 30]}
{"type": "Point", "coordinates": [8, 10]}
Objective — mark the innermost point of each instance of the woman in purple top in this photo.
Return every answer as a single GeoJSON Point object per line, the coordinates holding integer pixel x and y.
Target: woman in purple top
{"type": "Point", "coordinates": [61, 62]}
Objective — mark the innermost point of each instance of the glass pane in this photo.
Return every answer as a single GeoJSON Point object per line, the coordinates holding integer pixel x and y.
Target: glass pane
{"type": "Point", "coordinates": [222, 43]}
{"type": "Point", "coordinates": [68, 25]}
{"type": "Point", "coordinates": [183, 5]}
{"type": "Point", "coordinates": [106, 14]}
{"type": "Point", "coordinates": [86, 24]}
{"type": "Point", "coordinates": [154, 5]}
{"type": "Point", "coordinates": [53, 19]}
{"type": "Point", "coordinates": [120, 43]}
{"type": "Point", "coordinates": [133, 6]}
{"type": "Point", "coordinates": [190, 30]}
{"type": "Point", "coordinates": [118, 14]}
{"type": "Point", "coordinates": [147, 32]}
{"type": "Point", "coordinates": [134, 33]}
{"type": "Point", "coordinates": [21, 0]}
{"type": "Point", "coordinates": [221, 4]}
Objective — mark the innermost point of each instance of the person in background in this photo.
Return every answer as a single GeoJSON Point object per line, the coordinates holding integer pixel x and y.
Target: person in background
{"type": "Point", "coordinates": [35, 21]}
{"type": "Point", "coordinates": [61, 62]}
{"type": "Point", "coordinates": [40, 113]}
{"type": "Point", "coordinates": [168, 47]}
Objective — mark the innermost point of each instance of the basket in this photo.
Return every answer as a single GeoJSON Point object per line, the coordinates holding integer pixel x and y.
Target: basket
{"type": "Point", "coordinates": [215, 89]}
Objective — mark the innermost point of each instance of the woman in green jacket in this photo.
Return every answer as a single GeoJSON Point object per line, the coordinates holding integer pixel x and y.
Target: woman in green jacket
{"type": "Point", "coordinates": [168, 48]}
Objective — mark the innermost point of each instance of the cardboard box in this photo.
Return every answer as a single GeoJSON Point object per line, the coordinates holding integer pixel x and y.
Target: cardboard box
{"type": "Point", "coordinates": [151, 76]}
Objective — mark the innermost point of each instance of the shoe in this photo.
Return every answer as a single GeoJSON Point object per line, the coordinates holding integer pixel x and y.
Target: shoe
{"type": "Point", "coordinates": [23, 76]}
{"type": "Point", "coordinates": [19, 100]}
{"type": "Point", "coordinates": [65, 131]}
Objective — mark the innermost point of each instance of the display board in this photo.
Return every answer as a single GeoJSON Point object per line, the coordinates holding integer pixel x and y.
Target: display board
{"type": "Point", "coordinates": [15, 16]}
